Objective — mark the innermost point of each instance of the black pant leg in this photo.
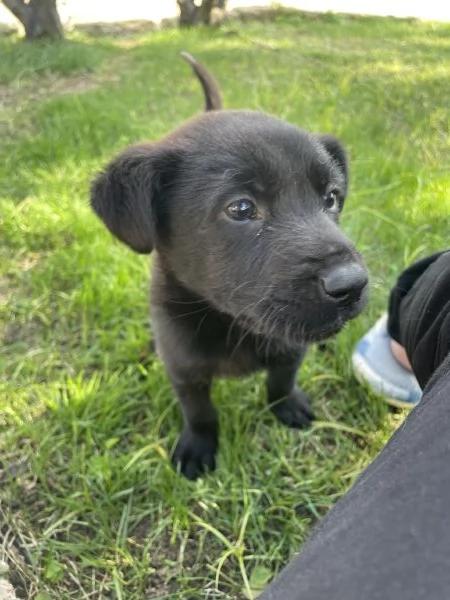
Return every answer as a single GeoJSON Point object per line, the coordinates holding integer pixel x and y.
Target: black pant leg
{"type": "Point", "coordinates": [388, 538]}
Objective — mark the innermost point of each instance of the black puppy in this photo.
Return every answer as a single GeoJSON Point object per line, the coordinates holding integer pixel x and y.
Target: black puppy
{"type": "Point", "coordinates": [250, 265]}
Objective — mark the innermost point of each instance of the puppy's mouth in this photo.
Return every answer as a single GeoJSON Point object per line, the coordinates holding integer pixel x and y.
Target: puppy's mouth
{"type": "Point", "coordinates": [294, 323]}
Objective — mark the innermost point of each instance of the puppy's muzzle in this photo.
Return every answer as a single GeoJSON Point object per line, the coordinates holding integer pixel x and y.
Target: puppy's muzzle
{"type": "Point", "coordinates": [345, 284]}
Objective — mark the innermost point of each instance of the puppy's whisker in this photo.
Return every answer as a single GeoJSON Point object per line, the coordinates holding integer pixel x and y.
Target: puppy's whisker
{"type": "Point", "coordinates": [203, 319]}
{"type": "Point", "coordinates": [249, 330]}
{"type": "Point", "coordinates": [253, 284]}
{"type": "Point", "coordinates": [187, 302]}
{"type": "Point", "coordinates": [265, 317]}
{"type": "Point", "coordinates": [238, 316]}
{"type": "Point", "coordinates": [193, 312]}
{"type": "Point", "coordinates": [272, 324]}
{"type": "Point", "coordinates": [235, 323]}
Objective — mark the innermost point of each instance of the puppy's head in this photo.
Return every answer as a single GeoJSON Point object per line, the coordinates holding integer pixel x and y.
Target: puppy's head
{"type": "Point", "coordinates": [243, 210]}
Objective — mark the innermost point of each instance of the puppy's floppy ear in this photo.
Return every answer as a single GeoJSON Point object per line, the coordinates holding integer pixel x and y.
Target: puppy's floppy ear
{"type": "Point", "coordinates": [337, 152]}
{"type": "Point", "coordinates": [126, 193]}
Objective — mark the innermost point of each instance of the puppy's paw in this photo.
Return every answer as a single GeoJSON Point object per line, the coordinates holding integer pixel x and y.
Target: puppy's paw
{"type": "Point", "coordinates": [294, 410]}
{"type": "Point", "coordinates": [195, 453]}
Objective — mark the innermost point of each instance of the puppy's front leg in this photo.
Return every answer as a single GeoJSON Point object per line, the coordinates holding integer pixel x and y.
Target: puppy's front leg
{"type": "Point", "coordinates": [196, 448]}
{"type": "Point", "coordinates": [288, 403]}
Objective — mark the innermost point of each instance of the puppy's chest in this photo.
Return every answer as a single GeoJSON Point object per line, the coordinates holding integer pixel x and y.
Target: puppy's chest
{"type": "Point", "coordinates": [232, 351]}
{"type": "Point", "coordinates": [216, 339]}
{"type": "Point", "coordinates": [237, 364]}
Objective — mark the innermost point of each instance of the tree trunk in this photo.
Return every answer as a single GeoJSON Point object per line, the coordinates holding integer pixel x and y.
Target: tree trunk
{"type": "Point", "coordinates": [193, 12]}
{"type": "Point", "coordinates": [40, 18]}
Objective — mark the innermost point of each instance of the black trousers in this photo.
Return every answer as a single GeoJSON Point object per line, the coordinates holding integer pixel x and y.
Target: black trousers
{"type": "Point", "coordinates": [388, 538]}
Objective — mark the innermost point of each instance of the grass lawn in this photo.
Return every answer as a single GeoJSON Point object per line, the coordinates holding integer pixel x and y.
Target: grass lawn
{"type": "Point", "coordinates": [89, 504]}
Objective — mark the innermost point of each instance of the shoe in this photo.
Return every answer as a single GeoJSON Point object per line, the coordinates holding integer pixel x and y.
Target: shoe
{"type": "Point", "coordinates": [375, 365]}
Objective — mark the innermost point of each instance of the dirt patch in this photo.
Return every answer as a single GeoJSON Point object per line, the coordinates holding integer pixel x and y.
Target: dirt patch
{"type": "Point", "coordinates": [45, 87]}
{"type": "Point", "coordinates": [14, 333]}
{"type": "Point", "coordinates": [116, 29]}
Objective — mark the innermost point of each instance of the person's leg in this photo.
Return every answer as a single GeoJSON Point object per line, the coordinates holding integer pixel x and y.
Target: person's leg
{"type": "Point", "coordinates": [388, 538]}
{"type": "Point", "coordinates": [400, 356]}
{"type": "Point", "coordinates": [379, 360]}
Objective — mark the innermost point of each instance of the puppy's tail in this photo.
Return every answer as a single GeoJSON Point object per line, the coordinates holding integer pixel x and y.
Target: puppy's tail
{"type": "Point", "coordinates": [213, 99]}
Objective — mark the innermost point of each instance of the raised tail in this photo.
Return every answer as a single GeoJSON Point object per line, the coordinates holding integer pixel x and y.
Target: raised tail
{"type": "Point", "coordinates": [213, 98]}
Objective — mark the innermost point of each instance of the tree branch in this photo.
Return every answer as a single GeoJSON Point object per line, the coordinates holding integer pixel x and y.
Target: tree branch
{"type": "Point", "coordinates": [18, 8]}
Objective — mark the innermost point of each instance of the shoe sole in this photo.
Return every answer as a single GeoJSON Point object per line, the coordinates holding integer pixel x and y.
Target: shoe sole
{"type": "Point", "coordinates": [359, 366]}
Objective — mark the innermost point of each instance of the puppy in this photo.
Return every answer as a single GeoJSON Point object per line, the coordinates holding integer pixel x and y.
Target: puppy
{"type": "Point", "coordinates": [241, 210]}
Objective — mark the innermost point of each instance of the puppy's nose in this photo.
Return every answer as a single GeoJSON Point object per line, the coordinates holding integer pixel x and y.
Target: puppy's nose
{"type": "Point", "coordinates": [345, 283]}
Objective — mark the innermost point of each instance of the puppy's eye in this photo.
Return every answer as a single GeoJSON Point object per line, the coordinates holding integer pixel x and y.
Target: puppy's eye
{"type": "Point", "coordinates": [241, 210]}
{"type": "Point", "coordinates": [331, 201]}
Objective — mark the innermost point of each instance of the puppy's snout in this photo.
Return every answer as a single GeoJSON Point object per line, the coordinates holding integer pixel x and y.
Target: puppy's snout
{"type": "Point", "coordinates": [345, 283]}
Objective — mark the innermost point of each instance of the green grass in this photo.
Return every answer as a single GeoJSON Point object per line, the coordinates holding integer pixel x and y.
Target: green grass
{"type": "Point", "coordinates": [90, 506]}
